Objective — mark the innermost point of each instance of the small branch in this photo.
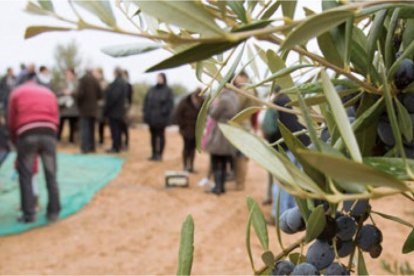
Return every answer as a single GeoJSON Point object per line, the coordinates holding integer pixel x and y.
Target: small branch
{"type": "Point", "coordinates": [245, 93]}
{"type": "Point", "coordinates": [284, 253]}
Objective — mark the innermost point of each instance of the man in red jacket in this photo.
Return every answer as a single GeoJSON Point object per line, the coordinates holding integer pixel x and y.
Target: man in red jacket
{"type": "Point", "coordinates": [33, 120]}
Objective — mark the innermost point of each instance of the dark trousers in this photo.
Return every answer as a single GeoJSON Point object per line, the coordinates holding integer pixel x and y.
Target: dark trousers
{"type": "Point", "coordinates": [157, 141]}
{"type": "Point", "coordinates": [28, 148]}
{"type": "Point", "coordinates": [189, 153]}
{"type": "Point", "coordinates": [116, 128]}
{"type": "Point", "coordinates": [219, 165]}
{"type": "Point", "coordinates": [87, 128]}
{"type": "Point", "coordinates": [73, 125]}
{"type": "Point", "coordinates": [101, 131]}
{"type": "Point", "coordinates": [125, 132]}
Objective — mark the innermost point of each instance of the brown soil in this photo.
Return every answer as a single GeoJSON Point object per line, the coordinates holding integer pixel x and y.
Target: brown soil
{"type": "Point", "coordinates": [132, 226]}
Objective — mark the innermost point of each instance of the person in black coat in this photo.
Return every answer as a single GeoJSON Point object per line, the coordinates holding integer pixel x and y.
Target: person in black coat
{"type": "Point", "coordinates": [87, 96]}
{"type": "Point", "coordinates": [289, 120]}
{"type": "Point", "coordinates": [115, 108]}
{"type": "Point", "coordinates": [186, 118]}
{"type": "Point", "coordinates": [4, 143]}
{"type": "Point", "coordinates": [7, 84]}
{"type": "Point", "coordinates": [128, 104]}
{"type": "Point", "coordinates": [158, 106]}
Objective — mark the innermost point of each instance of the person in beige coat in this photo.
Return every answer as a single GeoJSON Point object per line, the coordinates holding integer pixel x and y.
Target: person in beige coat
{"type": "Point", "coordinates": [223, 109]}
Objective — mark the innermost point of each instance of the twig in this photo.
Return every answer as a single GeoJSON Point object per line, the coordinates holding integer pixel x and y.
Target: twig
{"type": "Point", "coordinates": [289, 249]}
{"type": "Point", "coordinates": [269, 104]}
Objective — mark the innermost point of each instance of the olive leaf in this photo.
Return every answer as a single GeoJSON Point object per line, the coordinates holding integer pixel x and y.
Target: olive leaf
{"type": "Point", "coordinates": [271, 10]}
{"type": "Point", "coordinates": [268, 258]}
{"type": "Point", "coordinates": [316, 223]}
{"type": "Point", "coordinates": [126, 50]}
{"type": "Point", "coordinates": [185, 256]}
{"type": "Point", "coordinates": [404, 121]}
{"type": "Point", "coordinates": [259, 223]}
{"type": "Point", "coordinates": [374, 33]}
{"type": "Point", "coordinates": [35, 9]}
{"type": "Point", "coordinates": [193, 54]}
{"type": "Point", "coordinates": [190, 15]}
{"type": "Point", "coordinates": [37, 30]}
{"type": "Point", "coordinates": [389, 49]}
{"type": "Point", "coordinates": [316, 25]}
{"type": "Point", "coordinates": [393, 218]}
{"type": "Point", "coordinates": [361, 267]}
{"type": "Point", "coordinates": [288, 8]}
{"type": "Point", "coordinates": [238, 9]}
{"type": "Point", "coordinates": [397, 167]}
{"type": "Point", "coordinates": [339, 169]}
{"type": "Point", "coordinates": [297, 258]}
{"type": "Point", "coordinates": [409, 243]}
{"type": "Point", "coordinates": [341, 118]}
{"type": "Point", "coordinates": [102, 9]}
{"type": "Point", "coordinates": [245, 114]}
{"type": "Point", "coordinates": [46, 4]}
{"type": "Point", "coordinates": [248, 241]}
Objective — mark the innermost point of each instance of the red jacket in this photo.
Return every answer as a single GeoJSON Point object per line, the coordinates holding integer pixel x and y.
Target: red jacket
{"type": "Point", "coordinates": [32, 106]}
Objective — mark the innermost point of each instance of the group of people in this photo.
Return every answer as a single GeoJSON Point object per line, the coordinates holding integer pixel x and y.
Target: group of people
{"type": "Point", "coordinates": [35, 117]}
{"type": "Point", "coordinates": [90, 101]}
{"type": "Point", "coordinates": [227, 162]}
{"type": "Point", "coordinates": [83, 103]}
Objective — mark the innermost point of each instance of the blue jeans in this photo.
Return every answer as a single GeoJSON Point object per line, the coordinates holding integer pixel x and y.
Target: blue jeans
{"type": "Point", "coordinates": [287, 201]}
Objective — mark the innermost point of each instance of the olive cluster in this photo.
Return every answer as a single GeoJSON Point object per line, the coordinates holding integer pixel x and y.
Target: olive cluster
{"type": "Point", "coordinates": [403, 78]}
{"type": "Point", "coordinates": [339, 237]}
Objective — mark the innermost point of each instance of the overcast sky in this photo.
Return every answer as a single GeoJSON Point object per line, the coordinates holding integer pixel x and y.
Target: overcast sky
{"type": "Point", "coordinates": [39, 49]}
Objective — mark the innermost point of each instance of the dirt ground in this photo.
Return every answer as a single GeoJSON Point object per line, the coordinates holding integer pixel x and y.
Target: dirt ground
{"type": "Point", "coordinates": [132, 226]}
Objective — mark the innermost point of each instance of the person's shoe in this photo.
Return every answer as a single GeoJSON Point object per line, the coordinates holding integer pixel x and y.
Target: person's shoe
{"type": "Point", "coordinates": [267, 202]}
{"type": "Point", "coordinates": [26, 219]}
{"type": "Point", "coordinates": [112, 151]}
{"type": "Point", "coordinates": [158, 158]}
{"type": "Point", "coordinates": [214, 191]}
{"type": "Point", "coordinates": [203, 182]}
{"type": "Point", "coordinates": [52, 218]}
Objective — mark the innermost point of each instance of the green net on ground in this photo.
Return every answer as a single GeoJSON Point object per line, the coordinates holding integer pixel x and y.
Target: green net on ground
{"type": "Point", "coordinates": [79, 178]}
